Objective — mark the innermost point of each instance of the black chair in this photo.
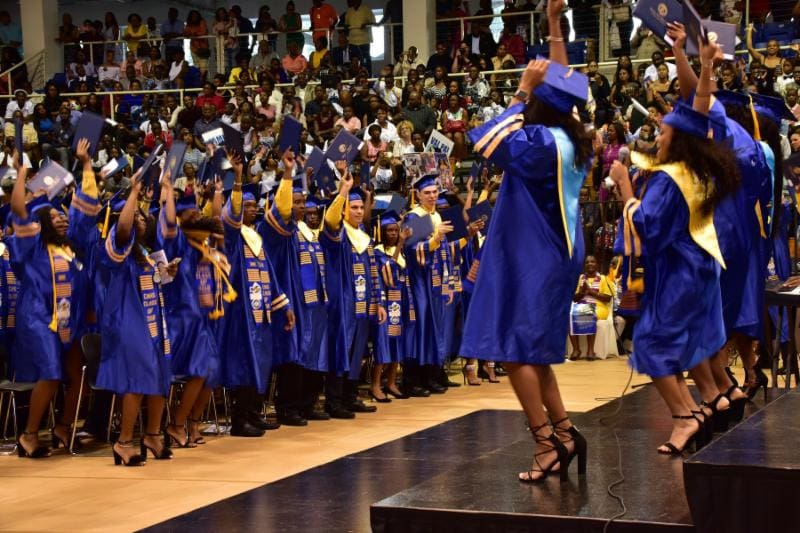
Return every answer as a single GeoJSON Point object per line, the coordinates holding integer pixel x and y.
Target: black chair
{"type": "Point", "coordinates": [9, 388]}
{"type": "Point", "coordinates": [90, 345]}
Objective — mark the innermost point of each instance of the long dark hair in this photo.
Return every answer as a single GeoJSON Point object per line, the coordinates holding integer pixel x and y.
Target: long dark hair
{"type": "Point", "coordinates": [147, 240]}
{"type": "Point", "coordinates": [713, 163]}
{"type": "Point", "coordinates": [48, 230]}
{"type": "Point", "coordinates": [770, 134]}
{"type": "Point", "coordinates": [538, 112]}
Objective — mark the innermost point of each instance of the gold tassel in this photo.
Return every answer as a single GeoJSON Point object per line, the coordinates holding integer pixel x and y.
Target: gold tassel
{"type": "Point", "coordinates": [104, 233]}
{"type": "Point", "coordinates": [54, 322]}
{"type": "Point", "coordinates": [413, 200]}
{"type": "Point", "coordinates": [756, 128]}
{"type": "Point", "coordinates": [378, 230]}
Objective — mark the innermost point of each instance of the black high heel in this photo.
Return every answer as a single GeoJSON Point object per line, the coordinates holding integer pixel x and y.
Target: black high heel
{"type": "Point", "coordinates": [466, 372]}
{"type": "Point", "coordinates": [555, 444]}
{"type": "Point", "coordinates": [39, 452]}
{"type": "Point", "coordinates": [135, 460]}
{"type": "Point", "coordinates": [579, 449]}
{"type": "Point", "coordinates": [58, 441]}
{"type": "Point", "coordinates": [165, 452]}
{"type": "Point", "coordinates": [674, 450]}
{"type": "Point", "coordinates": [731, 376]}
{"type": "Point", "coordinates": [737, 406]}
{"type": "Point", "coordinates": [200, 439]}
{"type": "Point", "coordinates": [379, 400]}
{"type": "Point", "coordinates": [388, 392]}
{"type": "Point", "coordinates": [169, 438]}
{"type": "Point", "coordinates": [483, 372]}
{"type": "Point", "coordinates": [721, 419]}
{"type": "Point", "coordinates": [761, 381]}
{"type": "Point", "coordinates": [706, 433]}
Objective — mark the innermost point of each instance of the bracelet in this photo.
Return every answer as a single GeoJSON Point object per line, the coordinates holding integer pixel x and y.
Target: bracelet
{"type": "Point", "coordinates": [555, 39]}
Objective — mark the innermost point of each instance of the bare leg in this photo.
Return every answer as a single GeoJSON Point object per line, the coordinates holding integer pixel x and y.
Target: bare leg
{"type": "Point", "coordinates": [576, 347]}
{"type": "Point", "coordinates": [720, 361]}
{"type": "Point", "coordinates": [176, 429]}
{"type": "Point", "coordinates": [41, 396]}
{"type": "Point", "coordinates": [590, 346]}
{"type": "Point", "coordinates": [551, 398]}
{"type": "Point", "coordinates": [377, 371]}
{"type": "Point", "coordinates": [391, 379]}
{"type": "Point", "coordinates": [682, 429]}
{"type": "Point", "coordinates": [155, 410]}
{"type": "Point", "coordinates": [199, 407]}
{"type": "Point", "coordinates": [525, 381]}
{"type": "Point", "coordinates": [471, 372]}
{"type": "Point", "coordinates": [72, 367]}
{"type": "Point", "coordinates": [130, 412]}
{"type": "Point", "coordinates": [706, 384]}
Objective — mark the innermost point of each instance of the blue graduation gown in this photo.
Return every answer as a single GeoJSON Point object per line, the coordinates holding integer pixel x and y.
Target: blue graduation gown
{"type": "Point", "coordinates": [429, 269]}
{"type": "Point", "coordinates": [354, 297]}
{"type": "Point", "coordinates": [393, 336]}
{"type": "Point", "coordinates": [519, 309]}
{"type": "Point", "coordinates": [37, 349]}
{"type": "Point", "coordinates": [8, 294]}
{"type": "Point", "coordinates": [135, 349]}
{"type": "Point", "coordinates": [299, 264]}
{"type": "Point", "coordinates": [246, 340]}
{"type": "Point", "coordinates": [192, 333]}
{"type": "Point", "coordinates": [681, 310]}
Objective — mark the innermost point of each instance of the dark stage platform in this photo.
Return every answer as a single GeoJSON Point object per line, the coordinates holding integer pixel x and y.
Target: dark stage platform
{"type": "Point", "coordinates": [461, 476]}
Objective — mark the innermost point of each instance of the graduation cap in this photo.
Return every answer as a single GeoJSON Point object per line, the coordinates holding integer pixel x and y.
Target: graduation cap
{"type": "Point", "coordinates": [52, 177]}
{"type": "Point", "coordinates": [441, 202]}
{"type": "Point", "coordinates": [388, 218]}
{"type": "Point", "coordinates": [312, 202]}
{"type": "Point", "coordinates": [390, 202]}
{"type": "Point", "coordinates": [686, 120]}
{"type": "Point", "coordinates": [773, 108]}
{"type": "Point", "coordinates": [37, 203]}
{"type": "Point", "coordinates": [187, 201]}
{"type": "Point", "coordinates": [291, 131]}
{"type": "Point", "coordinates": [251, 192]}
{"type": "Point", "coordinates": [357, 193]}
{"type": "Point", "coordinates": [563, 87]}
{"type": "Point", "coordinates": [90, 127]}
{"type": "Point", "coordinates": [174, 162]}
{"type": "Point", "coordinates": [454, 215]}
{"type": "Point", "coordinates": [113, 205]}
{"type": "Point", "coordinates": [429, 180]}
{"type": "Point", "coordinates": [421, 229]}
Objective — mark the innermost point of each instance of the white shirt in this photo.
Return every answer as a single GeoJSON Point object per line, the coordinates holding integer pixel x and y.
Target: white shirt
{"type": "Point", "coordinates": [388, 134]}
{"type": "Point", "coordinates": [108, 73]}
{"type": "Point", "coordinates": [651, 73]}
{"type": "Point", "coordinates": [476, 45]}
{"type": "Point", "coordinates": [145, 126]}
{"type": "Point", "coordinates": [27, 109]}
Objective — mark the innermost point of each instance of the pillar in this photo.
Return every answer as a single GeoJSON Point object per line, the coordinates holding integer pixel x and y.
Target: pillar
{"type": "Point", "coordinates": [419, 27]}
{"type": "Point", "coordinates": [39, 20]}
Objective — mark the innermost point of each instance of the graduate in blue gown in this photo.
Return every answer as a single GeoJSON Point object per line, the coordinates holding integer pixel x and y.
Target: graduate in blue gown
{"type": "Point", "coordinates": [46, 255]}
{"type": "Point", "coordinates": [356, 296]}
{"type": "Point", "coordinates": [299, 263]}
{"type": "Point", "coordinates": [246, 342]}
{"type": "Point", "coordinates": [681, 324]}
{"type": "Point", "coordinates": [195, 303]}
{"type": "Point", "coordinates": [392, 338]}
{"type": "Point", "coordinates": [134, 310]}
{"type": "Point", "coordinates": [519, 314]}
{"type": "Point", "coordinates": [429, 268]}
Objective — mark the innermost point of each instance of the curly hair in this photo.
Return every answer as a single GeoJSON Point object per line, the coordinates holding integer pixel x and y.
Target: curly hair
{"type": "Point", "coordinates": [539, 112]}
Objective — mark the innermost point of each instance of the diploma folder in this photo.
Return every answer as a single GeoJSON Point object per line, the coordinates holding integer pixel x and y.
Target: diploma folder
{"type": "Point", "coordinates": [53, 178]}
{"type": "Point", "coordinates": [90, 126]}
{"type": "Point", "coordinates": [290, 135]}
{"type": "Point", "coordinates": [656, 14]}
{"type": "Point", "coordinates": [421, 229]}
{"type": "Point", "coordinates": [454, 215]}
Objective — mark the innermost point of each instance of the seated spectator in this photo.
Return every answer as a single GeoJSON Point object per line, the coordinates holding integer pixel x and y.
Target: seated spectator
{"type": "Point", "coordinates": [441, 58]}
{"type": "Point", "coordinates": [149, 64]}
{"type": "Point", "coordinates": [408, 61]}
{"type": "Point", "coordinates": [324, 123]}
{"type": "Point", "coordinates": [315, 105]}
{"type": "Point", "coordinates": [152, 118]}
{"type": "Point", "coordinates": [61, 136]}
{"type": "Point", "coordinates": [268, 99]}
{"type": "Point", "coordinates": [436, 87]}
{"type": "Point", "coordinates": [513, 43]}
{"type": "Point", "coordinates": [260, 62]}
{"type": "Point", "coordinates": [349, 121]}
{"type": "Point", "coordinates": [159, 81]}
{"type": "Point", "coordinates": [389, 92]}
{"type": "Point", "coordinates": [343, 54]}
{"type": "Point", "coordinates": [421, 117]}
{"type": "Point", "coordinates": [210, 96]}
{"type": "Point", "coordinates": [21, 103]}
{"type": "Point", "coordinates": [242, 67]}
{"type": "Point", "coordinates": [207, 122]}
{"type": "Point", "coordinates": [132, 60]}
{"type": "Point", "coordinates": [373, 146]}
{"type": "Point", "coordinates": [277, 72]}
{"type": "Point", "coordinates": [190, 114]}
{"type": "Point", "coordinates": [499, 59]}
{"type": "Point", "coordinates": [463, 59]}
{"type": "Point", "coordinates": [490, 108]}
{"type": "Point", "coordinates": [80, 79]}
{"type": "Point", "coordinates": [786, 76]}
{"type": "Point", "coordinates": [178, 69]}
{"type": "Point", "coordinates": [319, 52]}
{"type": "Point", "coordinates": [476, 88]}
{"type": "Point", "coordinates": [388, 130]}
{"type": "Point", "coordinates": [480, 41]}
{"type": "Point", "coordinates": [80, 59]}
{"type": "Point", "coordinates": [109, 72]}
{"type": "Point", "coordinates": [135, 32]}
{"type": "Point", "coordinates": [130, 76]}
{"type": "Point", "coordinates": [455, 120]}
{"type": "Point", "coordinates": [651, 73]}
{"type": "Point", "coordinates": [157, 134]}
{"type": "Point", "coordinates": [294, 62]}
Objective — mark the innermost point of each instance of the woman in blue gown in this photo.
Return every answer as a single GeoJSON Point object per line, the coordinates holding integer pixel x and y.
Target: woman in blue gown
{"type": "Point", "coordinates": [681, 324]}
{"type": "Point", "coordinates": [134, 311]}
{"type": "Point", "coordinates": [47, 255]}
{"type": "Point", "coordinates": [518, 314]}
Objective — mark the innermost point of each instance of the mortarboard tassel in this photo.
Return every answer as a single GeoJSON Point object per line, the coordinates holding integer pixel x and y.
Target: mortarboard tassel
{"type": "Point", "coordinates": [104, 232]}
{"type": "Point", "coordinates": [378, 230]}
{"type": "Point", "coordinates": [756, 128]}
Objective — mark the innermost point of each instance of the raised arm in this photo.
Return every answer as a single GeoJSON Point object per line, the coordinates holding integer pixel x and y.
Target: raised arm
{"type": "Point", "coordinates": [18, 193]}
{"type": "Point", "coordinates": [753, 53]}
{"type": "Point", "coordinates": [686, 76]}
{"type": "Point", "coordinates": [125, 223]}
{"type": "Point", "coordinates": [558, 50]}
{"type": "Point", "coordinates": [283, 198]}
{"type": "Point", "coordinates": [334, 214]}
{"type": "Point", "coordinates": [709, 53]}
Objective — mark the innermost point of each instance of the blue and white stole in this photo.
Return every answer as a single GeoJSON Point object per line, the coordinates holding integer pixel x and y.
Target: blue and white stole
{"type": "Point", "coordinates": [570, 181]}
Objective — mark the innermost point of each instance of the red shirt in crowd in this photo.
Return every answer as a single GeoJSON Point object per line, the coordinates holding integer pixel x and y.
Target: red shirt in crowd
{"type": "Point", "coordinates": [217, 100]}
{"type": "Point", "coordinates": [150, 140]}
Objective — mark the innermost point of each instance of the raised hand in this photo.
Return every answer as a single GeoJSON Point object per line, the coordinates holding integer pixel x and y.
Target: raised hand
{"type": "Point", "coordinates": [82, 151]}
{"type": "Point", "coordinates": [555, 8]}
{"type": "Point", "coordinates": [677, 33]}
{"type": "Point", "coordinates": [533, 75]}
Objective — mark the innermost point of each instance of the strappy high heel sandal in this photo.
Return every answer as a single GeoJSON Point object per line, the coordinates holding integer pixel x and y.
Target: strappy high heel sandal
{"type": "Point", "coordinates": [486, 371]}
{"type": "Point", "coordinates": [200, 439]}
{"type": "Point", "coordinates": [674, 450]}
{"type": "Point", "coordinates": [720, 418]}
{"type": "Point", "coordinates": [469, 371]}
{"type": "Point", "coordinates": [134, 460]}
{"type": "Point", "coordinates": [762, 381]}
{"type": "Point", "coordinates": [579, 448]}
{"type": "Point", "coordinates": [737, 405]}
{"type": "Point", "coordinates": [169, 438]}
{"type": "Point", "coordinates": [554, 445]}
{"type": "Point", "coordinates": [164, 453]}
{"type": "Point", "coordinates": [706, 433]}
{"type": "Point", "coordinates": [58, 440]}
{"type": "Point", "coordinates": [39, 452]}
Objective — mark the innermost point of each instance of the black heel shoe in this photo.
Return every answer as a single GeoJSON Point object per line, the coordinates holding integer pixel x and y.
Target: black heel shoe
{"type": "Point", "coordinates": [579, 449]}
{"type": "Point", "coordinates": [388, 392]}
{"type": "Point", "coordinates": [58, 441]}
{"type": "Point", "coordinates": [169, 438]}
{"type": "Point", "coordinates": [706, 433]}
{"type": "Point", "coordinates": [201, 440]}
{"type": "Point", "coordinates": [165, 452]}
{"type": "Point", "coordinates": [483, 372]}
{"type": "Point", "coordinates": [554, 445]}
{"type": "Point", "coordinates": [466, 371]}
{"type": "Point", "coordinates": [721, 419]}
{"type": "Point", "coordinates": [674, 450]}
{"type": "Point", "coordinates": [761, 381]}
{"type": "Point", "coordinates": [39, 452]}
{"type": "Point", "coordinates": [379, 400]}
{"type": "Point", "coordinates": [135, 460]}
{"type": "Point", "coordinates": [731, 376]}
{"type": "Point", "coordinates": [737, 406]}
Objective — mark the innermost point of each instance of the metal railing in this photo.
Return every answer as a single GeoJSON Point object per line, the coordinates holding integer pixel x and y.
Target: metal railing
{"type": "Point", "coordinates": [36, 66]}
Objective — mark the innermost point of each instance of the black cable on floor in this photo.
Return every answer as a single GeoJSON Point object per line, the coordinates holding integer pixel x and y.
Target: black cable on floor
{"type": "Point", "coordinates": [610, 487]}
